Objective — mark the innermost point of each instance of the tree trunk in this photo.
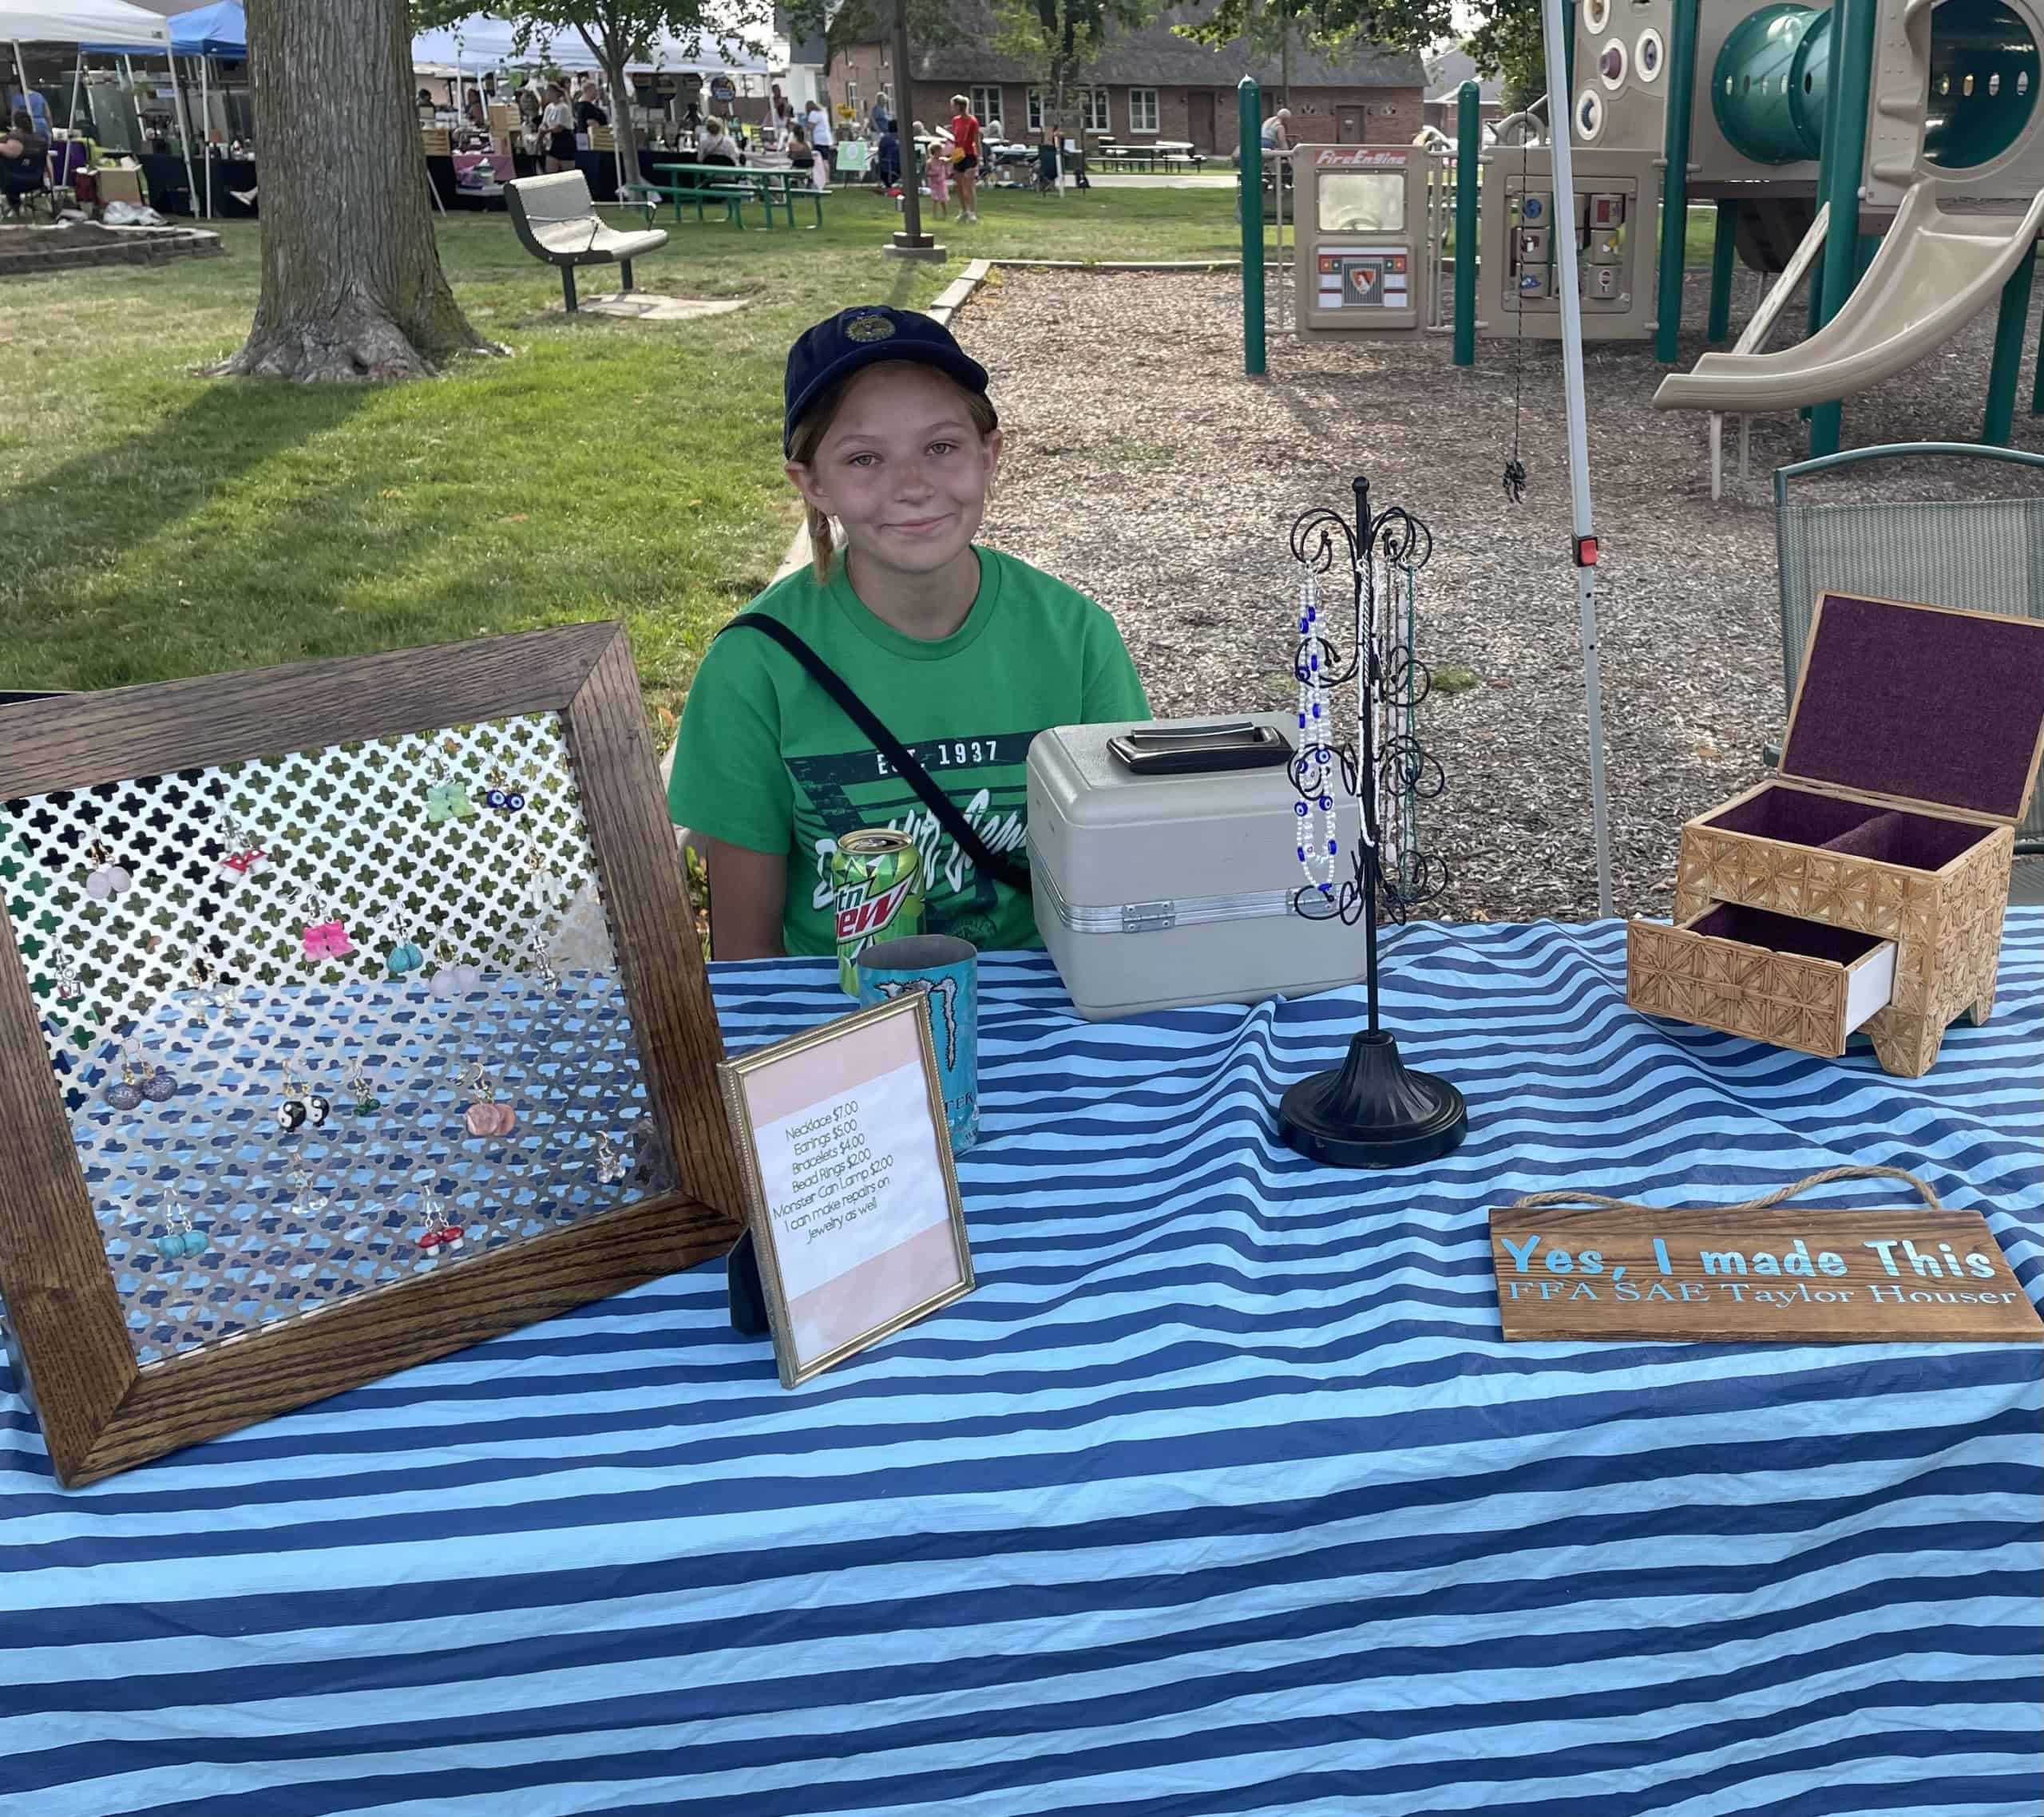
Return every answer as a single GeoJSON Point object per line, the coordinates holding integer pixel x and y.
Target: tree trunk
{"type": "Point", "coordinates": [352, 287]}
{"type": "Point", "coordinates": [612, 54]}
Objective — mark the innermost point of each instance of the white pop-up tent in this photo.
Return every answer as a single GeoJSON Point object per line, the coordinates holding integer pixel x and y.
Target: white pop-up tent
{"type": "Point", "coordinates": [88, 21]}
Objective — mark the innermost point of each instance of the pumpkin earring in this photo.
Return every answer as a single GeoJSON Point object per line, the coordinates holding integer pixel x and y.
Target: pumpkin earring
{"type": "Point", "coordinates": [486, 1116]}
{"type": "Point", "coordinates": [106, 879]}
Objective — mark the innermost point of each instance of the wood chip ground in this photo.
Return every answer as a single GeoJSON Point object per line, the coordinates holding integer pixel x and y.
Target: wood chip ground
{"type": "Point", "coordinates": [1144, 467]}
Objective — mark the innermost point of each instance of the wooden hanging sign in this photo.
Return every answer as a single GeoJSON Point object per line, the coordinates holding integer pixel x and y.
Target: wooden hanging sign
{"type": "Point", "coordinates": [1738, 1276]}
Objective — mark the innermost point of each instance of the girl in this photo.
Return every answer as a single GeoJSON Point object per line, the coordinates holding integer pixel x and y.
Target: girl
{"type": "Point", "coordinates": [557, 129]}
{"type": "Point", "coordinates": [937, 168]}
{"type": "Point", "coordinates": [963, 654]}
{"type": "Point", "coordinates": [965, 157]}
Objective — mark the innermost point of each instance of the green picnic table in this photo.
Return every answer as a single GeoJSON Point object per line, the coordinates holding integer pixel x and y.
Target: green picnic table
{"type": "Point", "coordinates": [732, 185]}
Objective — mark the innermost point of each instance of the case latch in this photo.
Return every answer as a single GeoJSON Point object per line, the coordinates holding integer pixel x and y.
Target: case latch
{"type": "Point", "coordinates": [1148, 917]}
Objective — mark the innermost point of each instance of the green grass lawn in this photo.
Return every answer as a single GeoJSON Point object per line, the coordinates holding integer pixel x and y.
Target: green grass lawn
{"type": "Point", "coordinates": [154, 523]}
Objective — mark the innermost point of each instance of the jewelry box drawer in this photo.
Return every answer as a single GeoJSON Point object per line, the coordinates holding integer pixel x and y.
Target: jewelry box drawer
{"type": "Point", "coordinates": [1770, 977]}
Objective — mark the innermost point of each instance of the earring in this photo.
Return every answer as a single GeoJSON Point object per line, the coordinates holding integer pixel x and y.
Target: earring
{"type": "Point", "coordinates": [107, 880]}
{"type": "Point", "coordinates": [125, 1093]}
{"type": "Point", "coordinates": [69, 987]}
{"type": "Point", "coordinates": [451, 978]}
{"type": "Point", "coordinates": [439, 1234]}
{"type": "Point", "coordinates": [366, 1103]}
{"type": "Point", "coordinates": [180, 1239]}
{"type": "Point", "coordinates": [159, 1086]}
{"type": "Point", "coordinates": [300, 1106]}
{"type": "Point", "coordinates": [543, 885]}
{"type": "Point", "coordinates": [327, 939]}
{"type": "Point", "coordinates": [446, 799]}
{"type": "Point", "coordinates": [212, 994]}
{"type": "Point", "coordinates": [404, 955]}
{"type": "Point", "coordinates": [243, 854]}
{"type": "Point", "coordinates": [503, 795]}
{"type": "Point", "coordinates": [542, 961]}
{"type": "Point", "coordinates": [486, 1117]}
{"type": "Point", "coordinates": [611, 1165]}
{"type": "Point", "coordinates": [308, 1197]}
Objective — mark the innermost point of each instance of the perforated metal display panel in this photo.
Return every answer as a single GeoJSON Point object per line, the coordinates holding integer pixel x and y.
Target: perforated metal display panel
{"type": "Point", "coordinates": [266, 990]}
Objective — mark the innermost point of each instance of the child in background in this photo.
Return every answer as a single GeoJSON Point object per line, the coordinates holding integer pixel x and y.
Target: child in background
{"type": "Point", "coordinates": [937, 168]}
{"type": "Point", "coordinates": [964, 654]}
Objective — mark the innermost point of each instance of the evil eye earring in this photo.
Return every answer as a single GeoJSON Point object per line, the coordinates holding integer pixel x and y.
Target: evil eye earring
{"type": "Point", "coordinates": [180, 1239]}
{"type": "Point", "coordinates": [366, 1103]}
{"type": "Point", "coordinates": [486, 1116]}
{"type": "Point", "coordinates": [440, 1232]}
{"type": "Point", "coordinates": [452, 979]}
{"type": "Point", "coordinates": [300, 1106]}
{"type": "Point", "coordinates": [504, 796]}
{"type": "Point", "coordinates": [106, 879]}
{"type": "Point", "coordinates": [611, 1165]}
{"type": "Point", "coordinates": [446, 798]}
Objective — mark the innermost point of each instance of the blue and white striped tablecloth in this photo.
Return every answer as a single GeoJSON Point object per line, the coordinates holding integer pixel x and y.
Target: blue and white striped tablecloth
{"type": "Point", "coordinates": [1220, 1497]}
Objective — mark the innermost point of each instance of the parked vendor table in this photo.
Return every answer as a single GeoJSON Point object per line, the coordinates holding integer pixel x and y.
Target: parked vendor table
{"type": "Point", "coordinates": [1219, 1495]}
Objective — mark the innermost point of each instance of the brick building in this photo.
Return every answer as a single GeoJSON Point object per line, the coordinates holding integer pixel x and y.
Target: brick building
{"type": "Point", "coordinates": [1152, 84]}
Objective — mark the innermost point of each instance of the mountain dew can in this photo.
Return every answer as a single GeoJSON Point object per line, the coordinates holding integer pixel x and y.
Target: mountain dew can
{"type": "Point", "coordinates": [876, 884]}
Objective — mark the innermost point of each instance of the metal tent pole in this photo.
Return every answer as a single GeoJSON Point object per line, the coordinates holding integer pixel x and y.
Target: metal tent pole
{"type": "Point", "coordinates": [21, 73]}
{"type": "Point", "coordinates": [1561, 137]}
{"type": "Point", "coordinates": [206, 128]}
{"type": "Point", "coordinates": [77, 85]}
{"type": "Point", "coordinates": [185, 135]}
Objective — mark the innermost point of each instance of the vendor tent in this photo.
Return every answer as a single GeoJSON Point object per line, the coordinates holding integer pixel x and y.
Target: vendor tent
{"type": "Point", "coordinates": [84, 22]}
{"type": "Point", "coordinates": [221, 30]}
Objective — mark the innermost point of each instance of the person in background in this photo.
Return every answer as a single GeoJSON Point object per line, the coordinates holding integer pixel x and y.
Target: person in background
{"type": "Point", "coordinates": [589, 109]}
{"type": "Point", "coordinates": [37, 108]}
{"type": "Point", "coordinates": [426, 109]}
{"type": "Point", "coordinates": [557, 130]}
{"type": "Point", "coordinates": [801, 155]}
{"type": "Point", "coordinates": [478, 114]}
{"type": "Point", "coordinates": [966, 141]}
{"type": "Point", "coordinates": [937, 170]}
{"type": "Point", "coordinates": [887, 157]}
{"type": "Point", "coordinates": [24, 160]}
{"type": "Point", "coordinates": [877, 117]}
{"type": "Point", "coordinates": [816, 120]}
{"type": "Point", "coordinates": [716, 145]}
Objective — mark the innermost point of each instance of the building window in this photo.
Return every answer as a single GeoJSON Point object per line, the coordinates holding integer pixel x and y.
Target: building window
{"type": "Point", "coordinates": [1142, 109]}
{"type": "Point", "coordinates": [1036, 108]}
{"type": "Point", "coordinates": [1098, 119]}
{"type": "Point", "coordinates": [986, 104]}
{"type": "Point", "coordinates": [852, 95]}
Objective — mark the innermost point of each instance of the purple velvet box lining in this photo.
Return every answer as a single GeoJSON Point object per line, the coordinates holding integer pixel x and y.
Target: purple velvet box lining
{"type": "Point", "coordinates": [1935, 707]}
{"type": "Point", "coordinates": [1783, 933]}
{"type": "Point", "coordinates": [1798, 817]}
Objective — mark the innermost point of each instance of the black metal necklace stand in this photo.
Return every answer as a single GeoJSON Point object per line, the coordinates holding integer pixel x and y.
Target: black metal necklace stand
{"type": "Point", "coordinates": [1372, 1111]}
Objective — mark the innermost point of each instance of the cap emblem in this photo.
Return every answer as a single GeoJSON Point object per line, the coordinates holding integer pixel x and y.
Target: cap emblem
{"type": "Point", "coordinates": [869, 328]}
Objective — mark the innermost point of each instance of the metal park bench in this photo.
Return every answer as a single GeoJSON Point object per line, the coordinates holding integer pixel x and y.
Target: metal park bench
{"type": "Point", "coordinates": [558, 224]}
{"type": "Point", "coordinates": [1987, 554]}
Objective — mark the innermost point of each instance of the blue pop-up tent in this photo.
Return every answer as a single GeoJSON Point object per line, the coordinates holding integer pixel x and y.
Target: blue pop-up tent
{"type": "Point", "coordinates": [220, 30]}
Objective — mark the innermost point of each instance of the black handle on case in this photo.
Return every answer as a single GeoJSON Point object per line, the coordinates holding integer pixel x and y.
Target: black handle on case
{"type": "Point", "coordinates": [1201, 751]}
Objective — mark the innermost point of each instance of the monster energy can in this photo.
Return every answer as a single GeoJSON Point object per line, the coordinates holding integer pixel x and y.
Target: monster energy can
{"type": "Point", "coordinates": [876, 888]}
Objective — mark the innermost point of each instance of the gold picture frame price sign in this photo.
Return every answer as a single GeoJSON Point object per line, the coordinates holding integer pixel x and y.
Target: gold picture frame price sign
{"type": "Point", "coordinates": [367, 989]}
{"type": "Point", "coordinates": [851, 1192]}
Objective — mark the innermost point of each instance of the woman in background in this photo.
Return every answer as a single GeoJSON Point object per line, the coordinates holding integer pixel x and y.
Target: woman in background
{"type": "Point", "coordinates": [557, 129]}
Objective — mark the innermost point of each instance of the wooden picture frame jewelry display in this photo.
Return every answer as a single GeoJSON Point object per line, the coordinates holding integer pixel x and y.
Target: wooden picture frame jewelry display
{"type": "Point", "coordinates": [351, 1013]}
{"type": "Point", "coordinates": [851, 1192]}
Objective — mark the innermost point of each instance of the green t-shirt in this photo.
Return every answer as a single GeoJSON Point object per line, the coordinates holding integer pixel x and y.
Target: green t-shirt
{"type": "Point", "coordinates": [768, 760]}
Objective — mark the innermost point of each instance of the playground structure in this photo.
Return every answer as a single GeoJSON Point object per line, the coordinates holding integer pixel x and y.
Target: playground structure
{"type": "Point", "coordinates": [1914, 121]}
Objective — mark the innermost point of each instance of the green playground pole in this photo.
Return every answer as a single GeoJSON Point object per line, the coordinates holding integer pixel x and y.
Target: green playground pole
{"type": "Point", "coordinates": [1468, 175]}
{"type": "Point", "coordinates": [1721, 249]}
{"type": "Point", "coordinates": [1844, 150]}
{"type": "Point", "coordinates": [2009, 324]}
{"type": "Point", "coordinates": [1249, 158]}
{"type": "Point", "coordinates": [1674, 180]}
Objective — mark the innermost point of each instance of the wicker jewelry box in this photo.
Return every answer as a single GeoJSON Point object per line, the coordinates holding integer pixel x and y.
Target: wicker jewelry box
{"type": "Point", "coordinates": [1865, 887]}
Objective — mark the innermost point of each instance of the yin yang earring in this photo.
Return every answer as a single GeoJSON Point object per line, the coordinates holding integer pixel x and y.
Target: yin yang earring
{"type": "Point", "coordinates": [300, 1106]}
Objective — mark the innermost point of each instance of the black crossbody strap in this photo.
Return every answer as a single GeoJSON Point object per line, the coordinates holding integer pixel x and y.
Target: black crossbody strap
{"type": "Point", "coordinates": [1015, 876]}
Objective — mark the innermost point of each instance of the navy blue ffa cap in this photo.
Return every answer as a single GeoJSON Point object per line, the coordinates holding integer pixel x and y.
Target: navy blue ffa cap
{"type": "Point", "coordinates": [852, 339]}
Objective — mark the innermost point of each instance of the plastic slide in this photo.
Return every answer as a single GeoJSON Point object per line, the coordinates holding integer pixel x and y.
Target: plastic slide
{"type": "Point", "coordinates": [1934, 273]}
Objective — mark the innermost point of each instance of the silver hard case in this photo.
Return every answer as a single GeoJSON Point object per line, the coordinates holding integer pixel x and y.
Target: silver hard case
{"type": "Point", "coordinates": [1153, 892]}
